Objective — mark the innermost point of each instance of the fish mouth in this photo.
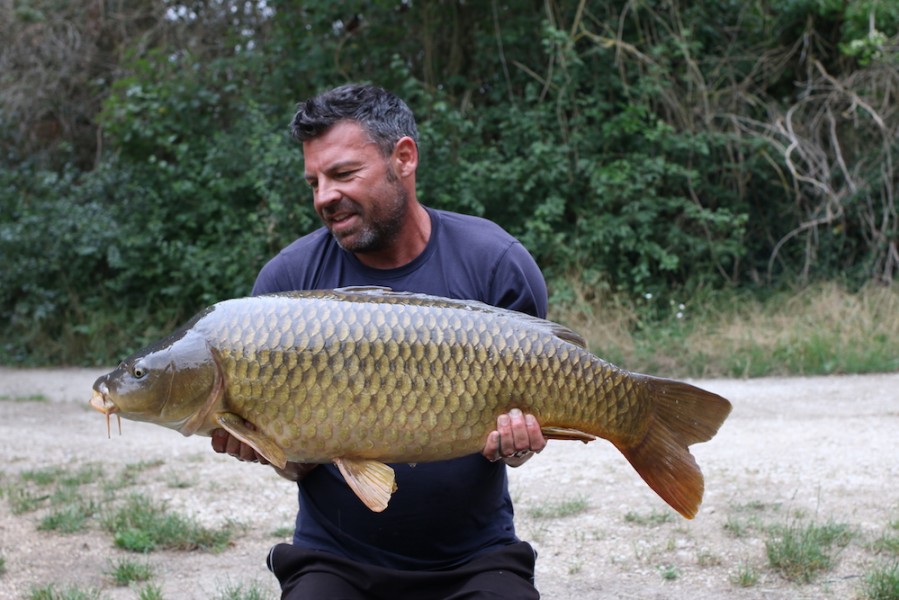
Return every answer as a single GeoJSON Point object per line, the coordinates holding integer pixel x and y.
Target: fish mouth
{"type": "Point", "coordinates": [100, 401]}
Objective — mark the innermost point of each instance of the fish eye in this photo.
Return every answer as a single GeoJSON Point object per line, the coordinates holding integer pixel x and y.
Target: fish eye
{"type": "Point", "coordinates": [138, 372]}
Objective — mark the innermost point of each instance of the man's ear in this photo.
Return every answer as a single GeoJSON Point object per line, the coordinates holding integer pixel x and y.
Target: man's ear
{"type": "Point", "coordinates": [405, 157]}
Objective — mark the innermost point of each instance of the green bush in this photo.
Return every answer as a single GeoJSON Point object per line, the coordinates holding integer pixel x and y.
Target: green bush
{"type": "Point", "coordinates": [663, 149]}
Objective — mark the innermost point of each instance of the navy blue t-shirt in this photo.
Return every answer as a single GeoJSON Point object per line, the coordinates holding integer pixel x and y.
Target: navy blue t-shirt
{"type": "Point", "coordinates": [443, 512]}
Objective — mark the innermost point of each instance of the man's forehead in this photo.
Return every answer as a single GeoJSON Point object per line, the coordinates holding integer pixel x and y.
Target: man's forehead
{"type": "Point", "coordinates": [339, 146]}
{"type": "Point", "coordinates": [342, 133]}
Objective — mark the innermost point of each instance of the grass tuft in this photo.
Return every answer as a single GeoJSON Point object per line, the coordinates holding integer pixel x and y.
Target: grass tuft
{"type": "Point", "coordinates": [142, 525]}
{"type": "Point", "coordinates": [68, 519]}
{"type": "Point", "coordinates": [43, 477]}
{"type": "Point", "coordinates": [561, 509]}
{"type": "Point", "coordinates": [283, 532]}
{"type": "Point", "coordinates": [50, 592]}
{"type": "Point", "coordinates": [882, 584]}
{"type": "Point", "coordinates": [23, 500]}
{"type": "Point", "coordinates": [652, 519]}
{"type": "Point", "coordinates": [746, 576]}
{"type": "Point", "coordinates": [249, 591]}
{"type": "Point", "coordinates": [669, 573]}
{"type": "Point", "coordinates": [887, 544]}
{"type": "Point", "coordinates": [26, 398]}
{"type": "Point", "coordinates": [799, 553]}
{"type": "Point", "coordinates": [130, 474]}
{"type": "Point", "coordinates": [150, 592]}
{"type": "Point", "coordinates": [126, 572]}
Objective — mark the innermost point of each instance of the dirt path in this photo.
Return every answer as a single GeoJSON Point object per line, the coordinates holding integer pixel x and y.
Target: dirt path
{"type": "Point", "coordinates": [795, 450]}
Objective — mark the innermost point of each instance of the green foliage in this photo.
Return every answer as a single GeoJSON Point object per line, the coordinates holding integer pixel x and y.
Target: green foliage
{"type": "Point", "coordinates": [588, 182]}
{"type": "Point", "coordinates": [104, 262]}
{"type": "Point", "coordinates": [657, 148]}
{"type": "Point", "coordinates": [867, 28]}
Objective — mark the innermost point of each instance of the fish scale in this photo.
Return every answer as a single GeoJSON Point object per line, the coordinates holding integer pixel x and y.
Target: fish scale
{"type": "Point", "coordinates": [366, 376]}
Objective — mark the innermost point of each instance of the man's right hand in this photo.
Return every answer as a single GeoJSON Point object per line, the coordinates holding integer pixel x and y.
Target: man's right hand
{"type": "Point", "coordinates": [225, 443]}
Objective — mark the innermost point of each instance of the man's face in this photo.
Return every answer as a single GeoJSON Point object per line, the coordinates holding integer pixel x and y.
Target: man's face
{"type": "Point", "coordinates": [355, 191]}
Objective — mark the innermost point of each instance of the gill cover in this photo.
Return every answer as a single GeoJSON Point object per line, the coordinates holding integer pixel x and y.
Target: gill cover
{"type": "Point", "coordinates": [173, 383]}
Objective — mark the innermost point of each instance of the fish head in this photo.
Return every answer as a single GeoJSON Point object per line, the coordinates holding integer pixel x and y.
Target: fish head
{"type": "Point", "coordinates": [167, 383]}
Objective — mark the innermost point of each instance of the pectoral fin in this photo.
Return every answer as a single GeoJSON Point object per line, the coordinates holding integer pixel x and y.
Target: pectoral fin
{"type": "Point", "coordinates": [234, 425]}
{"type": "Point", "coordinates": [372, 481]}
{"type": "Point", "coordinates": [562, 433]}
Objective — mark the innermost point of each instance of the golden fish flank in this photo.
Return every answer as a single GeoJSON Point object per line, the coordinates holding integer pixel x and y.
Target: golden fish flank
{"type": "Point", "coordinates": [365, 376]}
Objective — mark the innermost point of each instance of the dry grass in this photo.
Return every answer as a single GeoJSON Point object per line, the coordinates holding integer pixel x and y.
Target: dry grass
{"type": "Point", "coordinates": [822, 329]}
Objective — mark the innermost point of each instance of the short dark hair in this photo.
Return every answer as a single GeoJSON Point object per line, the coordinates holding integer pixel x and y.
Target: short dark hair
{"type": "Point", "coordinates": [383, 116]}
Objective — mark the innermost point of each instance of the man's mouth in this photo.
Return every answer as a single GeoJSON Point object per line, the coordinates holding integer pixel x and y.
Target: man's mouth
{"type": "Point", "coordinates": [341, 222]}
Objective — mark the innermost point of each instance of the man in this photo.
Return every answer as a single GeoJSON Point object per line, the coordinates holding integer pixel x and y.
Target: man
{"type": "Point", "coordinates": [449, 533]}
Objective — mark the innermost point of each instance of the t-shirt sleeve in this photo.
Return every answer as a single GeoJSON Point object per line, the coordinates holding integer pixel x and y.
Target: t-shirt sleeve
{"type": "Point", "coordinates": [518, 283]}
{"type": "Point", "coordinates": [272, 278]}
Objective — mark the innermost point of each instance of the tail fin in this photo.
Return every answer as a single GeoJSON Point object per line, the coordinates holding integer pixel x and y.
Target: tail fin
{"type": "Point", "coordinates": [682, 415]}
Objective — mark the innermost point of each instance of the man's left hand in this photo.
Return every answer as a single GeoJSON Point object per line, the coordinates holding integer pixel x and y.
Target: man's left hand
{"type": "Point", "coordinates": [516, 439]}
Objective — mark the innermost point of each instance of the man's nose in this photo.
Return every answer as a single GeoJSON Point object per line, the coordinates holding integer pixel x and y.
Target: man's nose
{"type": "Point", "coordinates": [326, 193]}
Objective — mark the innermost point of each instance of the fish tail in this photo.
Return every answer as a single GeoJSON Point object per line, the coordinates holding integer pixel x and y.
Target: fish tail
{"type": "Point", "coordinates": [681, 415]}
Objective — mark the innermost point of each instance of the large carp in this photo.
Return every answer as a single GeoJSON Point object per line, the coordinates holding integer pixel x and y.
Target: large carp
{"type": "Point", "coordinates": [366, 376]}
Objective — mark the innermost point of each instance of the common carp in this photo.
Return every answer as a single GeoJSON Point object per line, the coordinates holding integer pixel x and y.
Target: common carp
{"type": "Point", "coordinates": [366, 376]}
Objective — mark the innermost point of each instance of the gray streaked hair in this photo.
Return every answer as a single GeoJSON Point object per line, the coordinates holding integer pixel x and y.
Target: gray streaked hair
{"type": "Point", "coordinates": [382, 115]}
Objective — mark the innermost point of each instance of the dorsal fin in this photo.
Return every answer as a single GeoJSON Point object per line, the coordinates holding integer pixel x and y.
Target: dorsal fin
{"type": "Point", "coordinates": [563, 333]}
{"type": "Point", "coordinates": [386, 294]}
{"type": "Point", "coordinates": [365, 289]}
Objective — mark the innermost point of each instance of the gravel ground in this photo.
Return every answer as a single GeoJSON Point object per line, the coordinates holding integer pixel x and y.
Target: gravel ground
{"type": "Point", "coordinates": [794, 451]}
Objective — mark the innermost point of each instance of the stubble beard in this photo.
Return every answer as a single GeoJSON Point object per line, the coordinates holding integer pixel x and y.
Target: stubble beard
{"type": "Point", "coordinates": [379, 227]}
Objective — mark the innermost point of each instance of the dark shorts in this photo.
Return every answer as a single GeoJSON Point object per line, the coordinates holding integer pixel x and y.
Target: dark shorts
{"type": "Point", "coordinates": [315, 575]}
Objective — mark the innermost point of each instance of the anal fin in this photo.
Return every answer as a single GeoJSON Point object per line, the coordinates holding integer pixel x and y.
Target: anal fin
{"type": "Point", "coordinates": [564, 433]}
{"type": "Point", "coordinates": [371, 480]}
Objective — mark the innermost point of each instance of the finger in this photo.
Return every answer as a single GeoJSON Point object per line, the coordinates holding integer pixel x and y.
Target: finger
{"type": "Point", "coordinates": [520, 439]}
{"type": "Point", "coordinates": [505, 444]}
{"type": "Point", "coordinates": [248, 453]}
{"type": "Point", "coordinates": [535, 434]}
{"type": "Point", "coordinates": [219, 440]}
{"type": "Point", "coordinates": [232, 446]}
{"type": "Point", "coordinates": [492, 447]}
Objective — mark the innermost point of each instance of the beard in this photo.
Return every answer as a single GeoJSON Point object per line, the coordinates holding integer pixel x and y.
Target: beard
{"type": "Point", "coordinates": [379, 224]}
